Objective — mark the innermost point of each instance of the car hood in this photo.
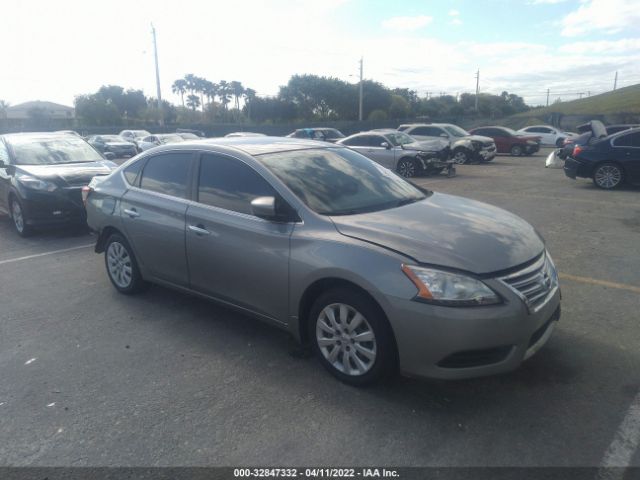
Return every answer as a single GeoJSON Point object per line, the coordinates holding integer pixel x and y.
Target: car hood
{"type": "Point", "coordinates": [449, 231]}
{"type": "Point", "coordinates": [69, 174]}
{"type": "Point", "coordinates": [434, 145]}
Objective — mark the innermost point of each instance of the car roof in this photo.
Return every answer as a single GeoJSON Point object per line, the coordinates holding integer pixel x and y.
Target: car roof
{"type": "Point", "coordinates": [260, 145]}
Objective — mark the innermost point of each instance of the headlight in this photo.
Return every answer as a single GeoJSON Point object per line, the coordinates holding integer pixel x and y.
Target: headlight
{"type": "Point", "coordinates": [449, 289]}
{"type": "Point", "coordinates": [35, 183]}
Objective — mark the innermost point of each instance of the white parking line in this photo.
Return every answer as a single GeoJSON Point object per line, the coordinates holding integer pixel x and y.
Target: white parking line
{"type": "Point", "coordinates": [625, 444]}
{"type": "Point", "coordinates": [28, 257]}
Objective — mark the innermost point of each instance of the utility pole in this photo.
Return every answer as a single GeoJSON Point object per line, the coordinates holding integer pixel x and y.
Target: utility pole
{"type": "Point", "coordinates": [477, 87]}
{"type": "Point", "coordinates": [547, 97]}
{"type": "Point", "coordinates": [155, 56]}
{"type": "Point", "coordinates": [615, 81]}
{"type": "Point", "coordinates": [361, 78]}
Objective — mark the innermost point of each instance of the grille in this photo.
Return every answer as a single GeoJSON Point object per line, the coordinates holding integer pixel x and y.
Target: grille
{"type": "Point", "coordinates": [476, 358]}
{"type": "Point", "coordinates": [535, 283]}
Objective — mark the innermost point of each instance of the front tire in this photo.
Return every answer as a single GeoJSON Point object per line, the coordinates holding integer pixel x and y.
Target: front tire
{"type": "Point", "coordinates": [608, 176]}
{"type": "Point", "coordinates": [121, 265]}
{"type": "Point", "coordinates": [351, 337]}
{"type": "Point", "coordinates": [516, 151]}
{"type": "Point", "coordinates": [460, 157]}
{"type": "Point", "coordinates": [407, 168]}
{"type": "Point", "coordinates": [20, 222]}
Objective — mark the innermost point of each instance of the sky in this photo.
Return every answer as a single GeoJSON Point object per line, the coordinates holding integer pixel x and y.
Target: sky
{"type": "Point", "coordinates": [57, 49]}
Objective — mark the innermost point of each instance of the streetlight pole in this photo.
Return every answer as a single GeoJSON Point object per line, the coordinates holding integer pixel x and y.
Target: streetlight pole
{"type": "Point", "coordinates": [159, 92]}
{"type": "Point", "coordinates": [360, 109]}
{"type": "Point", "coordinates": [477, 87]}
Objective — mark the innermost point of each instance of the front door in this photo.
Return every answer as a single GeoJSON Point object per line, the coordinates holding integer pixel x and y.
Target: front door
{"type": "Point", "coordinates": [232, 254]}
{"type": "Point", "coordinates": [153, 215]}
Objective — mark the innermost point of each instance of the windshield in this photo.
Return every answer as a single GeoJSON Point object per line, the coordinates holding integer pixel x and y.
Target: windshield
{"type": "Point", "coordinates": [54, 150]}
{"type": "Point", "coordinates": [332, 133]}
{"type": "Point", "coordinates": [399, 138]}
{"type": "Point", "coordinates": [339, 181]}
{"type": "Point", "coordinates": [456, 131]}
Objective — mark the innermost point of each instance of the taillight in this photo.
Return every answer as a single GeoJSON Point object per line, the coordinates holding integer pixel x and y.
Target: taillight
{"type": "Point", "coordinates": [577, 150]}
{"type": "Point", "coordinates": [86, 190]}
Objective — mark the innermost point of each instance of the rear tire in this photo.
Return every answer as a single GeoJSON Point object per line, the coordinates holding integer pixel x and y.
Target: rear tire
{"type": "Point", "coordinates": [516, 151]}
{"type": "Point", "coordinates": [407, 168]}
{"type": "Point", "coordinates": [20, 221]}
{"type": "Point", "coordinates": [351, 337]}
{"type": "Point", "coordinates": [122, 267]}
{"type": "Point", "coordinates": [608, 176]}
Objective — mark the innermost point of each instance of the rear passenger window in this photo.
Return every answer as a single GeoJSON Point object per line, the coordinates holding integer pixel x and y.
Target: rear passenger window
{"type": "Point", "coordinates": [132, 171]}
{"type": "Point", "coordinates": [230, 184]}
{"type": "Point", "coordinates": [167, 173]}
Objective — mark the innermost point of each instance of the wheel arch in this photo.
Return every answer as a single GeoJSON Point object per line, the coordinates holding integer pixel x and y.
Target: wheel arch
{"type": "Point", "coordinates": [105, 233]}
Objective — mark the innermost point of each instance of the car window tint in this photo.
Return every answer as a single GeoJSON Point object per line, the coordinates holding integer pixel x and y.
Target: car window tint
{"type": "Point", "coordinates": [167, 173]}
{"type": "Point", "coordinates": [230, 184]}
{"type": "Point", "coordinates": [376, 141]}
{"type": "Point", "coordinates": [132, 171]}
{"type": "Point", "coordinates": [628, 140]}
{"type": "Point", "coordinates": [4, 153]}
{"type": "Point", "coordinates": [546, 130]}
{"type": "Point", "coordinates": [421, 131]}
{"type": "Point", "coordinates": [360, 141]}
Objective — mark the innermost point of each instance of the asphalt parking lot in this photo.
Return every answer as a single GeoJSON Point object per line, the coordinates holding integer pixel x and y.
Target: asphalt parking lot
{"type": "Point", "coordinates": [89, 377]}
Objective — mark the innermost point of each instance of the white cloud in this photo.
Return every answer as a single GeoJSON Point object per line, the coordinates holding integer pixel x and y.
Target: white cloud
{"type": "Point", "coordinates": [602, 46]}
{"type": "Point", "coordinates": [454, 13]}
{"type": "Point", "coordinates": [546, 2]}
{"type": "Point", "coordinates": [606, 16]}
{"type": "Point", "coordinates": [407, 24]}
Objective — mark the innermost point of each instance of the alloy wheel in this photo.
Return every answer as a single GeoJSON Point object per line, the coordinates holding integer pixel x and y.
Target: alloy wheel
{"type": "Point", "coordinates": [608, 176]}
{"type": "Point", "coordinates": [18, 218]}
{"type": "Point", "coordinates": [406, 168]}
{"type": "Point", "coordinates": [119, 265]}
{"type": "Point", "coordinates": [460, 157]}
{"type": "Point", "coordinates": [346, 339]}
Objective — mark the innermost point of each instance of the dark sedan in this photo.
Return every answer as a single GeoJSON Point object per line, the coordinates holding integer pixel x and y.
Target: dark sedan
{"type": "Point", "coordinates": [115, 144]}
{"type": "Point", "coordinates": [610, 162]}
{"type": "Point", "coordinates": [41, 178]}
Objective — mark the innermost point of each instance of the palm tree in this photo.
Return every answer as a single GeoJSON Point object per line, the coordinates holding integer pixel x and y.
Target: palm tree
{"type": "Point", "coordinates": [193, 101]}
{"type": "Point", "coordinates": [237, 90]}
{"type": "Point", "coordinates": [191, 80]}
{"type": "Point", "coordinates": [224, 91]}
{"type": "Point", "coordinates": [209, 89]}
{"type": "Point", "coordinates": [179, 87]}
{"type": "Point", "coordinates": [249, 96]}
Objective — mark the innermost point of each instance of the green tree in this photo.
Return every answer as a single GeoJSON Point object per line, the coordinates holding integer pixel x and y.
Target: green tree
{"type": "Point", "coordinates": [399, 107]}
{"type": "Point", "coordinates": [193, 101]}
{"type": "Point", "coordinates": [179, 87]}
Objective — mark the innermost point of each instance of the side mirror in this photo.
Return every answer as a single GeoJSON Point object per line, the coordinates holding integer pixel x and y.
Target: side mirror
{"type": "Point", "coordinates": [385, 145]}
{"type": "Point", "coordinates": [109, 155]}
{"type": "Point", "coordinates": [264, 207]}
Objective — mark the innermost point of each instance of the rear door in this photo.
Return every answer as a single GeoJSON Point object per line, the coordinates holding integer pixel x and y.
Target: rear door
{"type": "Point", "coordinates": [153, 214]}
{"type": "Point", "coordinates": [627, 151]}
{"type": "Point", "coordinates": [232, 254]}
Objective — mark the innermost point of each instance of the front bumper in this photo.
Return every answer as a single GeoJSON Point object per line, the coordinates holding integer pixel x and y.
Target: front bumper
{"type": "Point", "coordinates": [455, 343]}
{"type": "Point", "coordinates": [60, 207]}
{"type": "Point", "coordinates": [531, 149]}
{"type": "Point", "coordinates": [486, 154]}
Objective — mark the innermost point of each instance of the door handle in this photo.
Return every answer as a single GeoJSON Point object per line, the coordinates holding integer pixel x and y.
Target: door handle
{"type": "Point", "coordinates": [131, 212]}
{"type": "Point", "coordinates": [199, 230]}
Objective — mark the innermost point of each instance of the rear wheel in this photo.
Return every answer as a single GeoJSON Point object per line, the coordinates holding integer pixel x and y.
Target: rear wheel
{"type": "Point", "coordinates": [516, 150]}
{"type": "Point", "coordinates": [351, 337]}
{"type": "Point", "coordinates": [608, 176]}
{"type": "Point", "coordinates": [122, 267]}
{"type": "Point", "coordinates": [407, 167]}
{"type": "Point", "coordinates": [19, 218]}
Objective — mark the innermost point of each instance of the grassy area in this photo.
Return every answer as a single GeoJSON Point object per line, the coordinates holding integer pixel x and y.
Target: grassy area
{"type": "Point", "coordinates": [623, 100]}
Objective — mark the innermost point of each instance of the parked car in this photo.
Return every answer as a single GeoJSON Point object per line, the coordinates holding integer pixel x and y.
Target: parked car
{"type": "Point", "coordinates": [41, 178]}
{"type": "Point", "coordinates": [69, 132]}
{"type": "Point", "coordinates": [402, 153]}
{"type": "Point", "coordinates": [549, 135]}
{"type": "Point", "coordinates": [609, 161]}
{"type": "Point", "coordinates": [611, 129]}
{"type": "Point", "coordinates": [373, 272]}
{"type": "Point", "coordinates": [510, 141]}
{"type": "Point", "coordinates": [244, 134]}
{"type": "Point", "coordinates": [587, 133]}
{"type": "Point", "coordinates": [115, 144]}
{"type": "Point", "coordinates": [188, 136]}
{"type": "Point", "coordinates": [465, 147]}
{"type": "Point", "coordinates": [323, 134]}
{"type": "Point", "coordinates": [197, 133]}
{"type": "Point", "coordinates": [151, 141]}
{"type": "Point", "coordinates": [133, 135]}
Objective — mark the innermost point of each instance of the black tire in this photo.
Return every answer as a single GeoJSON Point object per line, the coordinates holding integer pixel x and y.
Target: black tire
{"type": "Point", "coordinates": [385, 363]}
{"type": "Point", "coordinates": [517, 151]}
{"type": "Point", "coordinates": [19, 218]}
{"type": "Point", "coordinates": [407, 168]}
{"type": "Point", "coordinates": [608, 176]}
{"type": "Point", "coordinates": [460, 156]}
{"type": "Point", "coordinates": [136, 283]}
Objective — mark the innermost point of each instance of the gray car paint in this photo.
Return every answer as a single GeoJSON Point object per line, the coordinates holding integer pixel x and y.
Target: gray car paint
{"type": "Point", "coordinates": [270, 269]}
